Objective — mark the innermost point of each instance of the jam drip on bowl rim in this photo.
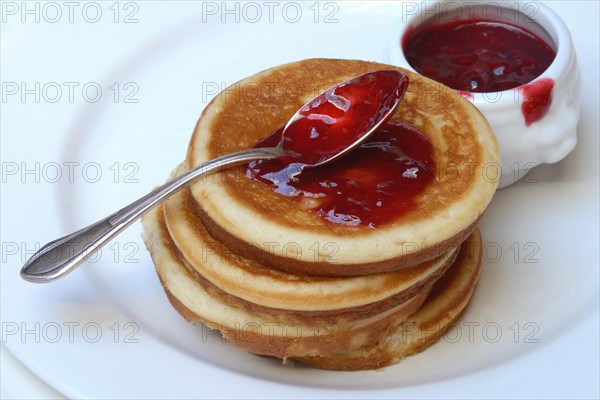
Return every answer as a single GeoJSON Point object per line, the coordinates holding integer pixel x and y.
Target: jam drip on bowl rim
{"type": "Point", "coordinates": [537, 99]}
{"type": "Point", "coordinates": [375, 184]}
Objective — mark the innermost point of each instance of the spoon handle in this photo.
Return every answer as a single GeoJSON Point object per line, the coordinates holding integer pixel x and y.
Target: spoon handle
{"type": "Point", "coordinates": [63, 255]}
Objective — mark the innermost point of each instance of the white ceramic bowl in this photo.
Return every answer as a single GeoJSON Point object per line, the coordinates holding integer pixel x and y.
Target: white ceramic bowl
{"type": "Point", "coordinates": [522, 146]}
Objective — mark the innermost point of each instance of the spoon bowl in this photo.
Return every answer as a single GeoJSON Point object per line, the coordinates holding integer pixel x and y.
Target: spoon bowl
{"type": "Point", "coordinates": [342, 117]}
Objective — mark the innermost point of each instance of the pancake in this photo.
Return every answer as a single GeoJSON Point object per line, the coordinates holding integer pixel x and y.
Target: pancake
{"type": "Point", "coordinates": [253, 332]}
{"type": "Point", "coordinates": [277, 278]}
{"type": "Point", "coordinates": [363, 344]}
{"type": "Point", "coordinates": [249, 218]}
{"type": "Point", "coordinates": [256, 287]}
{"type": "Point", "coordinates": [446, 301]}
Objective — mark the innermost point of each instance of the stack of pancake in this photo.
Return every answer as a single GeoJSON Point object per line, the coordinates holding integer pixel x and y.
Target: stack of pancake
{"type": "Point", "coordinates": [277, 279]}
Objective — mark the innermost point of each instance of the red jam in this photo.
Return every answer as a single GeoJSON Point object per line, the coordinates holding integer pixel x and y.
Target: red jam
{"type": "Point", "coordinates": [537, 101]}
{"type": "Point", "coordinates": [477, 55]}
{"type": "Point", "coordinates": [339, 116]}
{"type": "Point", "coordinates": [375, 184]}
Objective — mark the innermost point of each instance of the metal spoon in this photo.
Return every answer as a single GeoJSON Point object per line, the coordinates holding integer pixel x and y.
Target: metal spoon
{"type": "Point", "coordinates": [63, 255]}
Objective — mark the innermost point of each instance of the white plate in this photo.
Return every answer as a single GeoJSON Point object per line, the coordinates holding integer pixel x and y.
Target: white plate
{"type": "Point", "coordinates": [108, 331]}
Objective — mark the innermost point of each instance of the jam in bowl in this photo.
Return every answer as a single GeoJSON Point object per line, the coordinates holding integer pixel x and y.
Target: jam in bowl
{"type": "Point", "coordinates": [515, 61]}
